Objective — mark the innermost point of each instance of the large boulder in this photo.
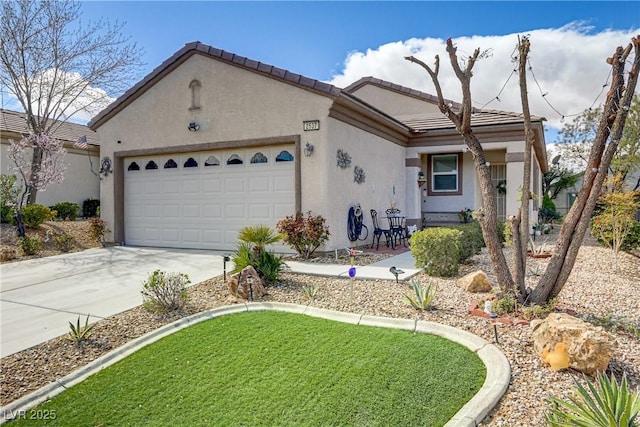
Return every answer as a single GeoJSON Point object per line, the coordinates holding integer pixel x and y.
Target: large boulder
{"type": "Point", "coordinates": [478, 281]}
{"type": "Point", "coordinates": [589, 347]}
{"type": "Point", "coordinates": [247, 284]}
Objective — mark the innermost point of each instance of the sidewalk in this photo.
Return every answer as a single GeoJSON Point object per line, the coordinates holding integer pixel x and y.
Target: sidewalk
{"type": "Point", "coordinates": [378, 270]}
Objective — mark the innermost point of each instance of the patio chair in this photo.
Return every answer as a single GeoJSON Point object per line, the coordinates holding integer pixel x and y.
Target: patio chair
{"type": "Point", "coordinates": [397, 230]}
{"type": "Point", "coordinates": [378, 232]}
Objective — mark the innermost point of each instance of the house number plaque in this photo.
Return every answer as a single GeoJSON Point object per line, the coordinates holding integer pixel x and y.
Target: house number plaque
{"type": "Point", "coordinates": [311, 125]}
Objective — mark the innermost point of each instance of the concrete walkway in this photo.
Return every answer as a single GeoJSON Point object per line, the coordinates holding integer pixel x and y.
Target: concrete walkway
{"type": "Point", "coordinates": [39, 297]}
{"type": "Point", "coordinates": [378, 270]}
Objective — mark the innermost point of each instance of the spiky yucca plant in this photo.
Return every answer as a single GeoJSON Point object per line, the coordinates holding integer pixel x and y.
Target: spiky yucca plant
{"type": "Point", "coordinates": [606, 403]}
{"type": "Point", "coordinates": [422, 296]}
{"type": "Point", "coordinates": [79, 334]}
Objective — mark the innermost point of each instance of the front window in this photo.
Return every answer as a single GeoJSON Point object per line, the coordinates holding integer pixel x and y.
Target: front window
{"type": "Point", "coordinates": [445, 176]}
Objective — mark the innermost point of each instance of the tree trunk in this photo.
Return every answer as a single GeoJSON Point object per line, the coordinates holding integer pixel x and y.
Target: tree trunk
{"type": "Point", "coordinates": [520, 249]}
{"type": "Point", "coordinates": [36, 163]}
{"type": "Point", "coordinates": [577, 220]}
{"type": "Point", "coordinates": [462, 120]}
{"type": "Point", "coordinates": [489, 216]}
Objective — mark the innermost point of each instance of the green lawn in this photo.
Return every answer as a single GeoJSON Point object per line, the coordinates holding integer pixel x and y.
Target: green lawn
{"type": "Point", "coordinates": [270, 368]}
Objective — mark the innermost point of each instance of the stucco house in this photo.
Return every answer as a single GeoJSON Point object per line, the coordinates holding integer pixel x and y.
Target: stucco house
{"type": "Point", "coordinates": [210, 142]}
{"type": "Point", "coordinates": [79, 183]}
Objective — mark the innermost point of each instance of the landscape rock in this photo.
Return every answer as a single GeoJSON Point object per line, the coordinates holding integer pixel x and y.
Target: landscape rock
{"type": "Point", "coordinates": [477, 281]}
{"type": "Point", "coordinates": [247, 284]}
{"type": "Point", "coordinates": [589, 347]}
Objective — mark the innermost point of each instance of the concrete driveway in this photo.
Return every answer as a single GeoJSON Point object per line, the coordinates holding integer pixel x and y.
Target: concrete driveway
{"type": "Point", "coordinates": [39, 297]}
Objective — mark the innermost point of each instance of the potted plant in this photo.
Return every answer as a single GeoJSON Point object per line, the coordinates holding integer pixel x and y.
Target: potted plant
{"type": "Point", "coordinates": [465, 215]}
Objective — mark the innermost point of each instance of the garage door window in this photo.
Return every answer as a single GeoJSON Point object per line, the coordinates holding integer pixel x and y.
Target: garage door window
{"type": "Point", "coordinates": [151, 165]}
{"type": "Point", "coordinates": [235, 160]}
{"type": "Point", "coordinates": [212, 161]}
{"type": "Point", "coordinates": [259, 158]}
{"type": "Point", "coordinates": [191, 163]}
{"type": "Point", "coordinates": [284, 156]}
{"type": "Point", "coordinates": [133, 167]}
{"type": "Point", "coordinates": [170, 164]}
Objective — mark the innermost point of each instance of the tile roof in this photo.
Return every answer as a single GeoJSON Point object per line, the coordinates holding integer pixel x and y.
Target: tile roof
{"type": "Point", "coordinates": [431, 121]}
{"type": "Point", "coordinates": [16, 122]}
{"type": "Point", "coordinates": [396, 88]}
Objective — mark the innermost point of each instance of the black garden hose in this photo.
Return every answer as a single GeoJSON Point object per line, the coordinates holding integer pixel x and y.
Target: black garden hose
{"type": "Point", "coordinates": [355, 225]}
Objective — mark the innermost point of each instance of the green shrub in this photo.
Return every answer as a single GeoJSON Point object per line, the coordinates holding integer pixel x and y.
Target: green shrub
{"type": "Point", "coordinates": [9, 191]}
{"type": "Point", "coordinates": [471, 240]}
{"type": "Point", "coordinates": [602, 229]}
{"type": "Point", "coordinates": [505, 304]}
{"type": "Point", "coordinates": [163, 292]}
{"type": "Point", "coordinates": [66, 211]}
{"type": "Point", "coordinates": [34, 215]}
{"type": "Point", "coordinates": [243, 257]}
{"type": "Point", "coordinates": [437, 250]}
{"type": "Point", "coordinates": [267, 264]}
{"type": "Point", "coordinates": [548, 213]}
{"type": "Point", "coordinates": [64, 242]}
{"type": "Point", "coordinates": [304, 234]}
{"type": "Point", "coordinates": [30, 245]}
{"type": "Point", "coordinates": [603, 404]}
{"type": "Point", "coordinates": [90, 208]}
{"type": "Point", "coordinates": [6, 214]}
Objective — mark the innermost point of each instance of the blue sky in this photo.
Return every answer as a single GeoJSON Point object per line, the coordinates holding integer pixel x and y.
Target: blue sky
{"type": "Point", "coordinates": [314, 38]}
{"type": "Point", "coordinates": [340, 42]}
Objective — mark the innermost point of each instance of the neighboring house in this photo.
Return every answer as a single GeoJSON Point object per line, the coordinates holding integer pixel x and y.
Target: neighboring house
{"type": "Point", "coordinates": [567, 196]}
{"type": "Point", "coordinates": [79, 182]}
{"type": "Point", "coordinates": [210, 142]}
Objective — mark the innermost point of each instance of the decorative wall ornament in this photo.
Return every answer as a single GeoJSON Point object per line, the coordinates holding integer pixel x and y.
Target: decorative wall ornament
{"type": "Point", "coordinates": [344, 159]}
{"type": "Point", "coordinates": [358, 174]}
{"type": "Point", "coordinates": [105, 166]}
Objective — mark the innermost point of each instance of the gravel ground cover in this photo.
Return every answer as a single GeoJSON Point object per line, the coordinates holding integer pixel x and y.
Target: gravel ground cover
{"type": "Point", "coordinates": [596, 287]}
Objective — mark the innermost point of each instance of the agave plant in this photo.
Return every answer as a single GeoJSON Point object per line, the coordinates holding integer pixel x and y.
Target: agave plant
{"type": "Point", "coordinates": [605, 404]}
{"type": "Point", "coordinates": [422, 296]}
{"type": "Point", "coordinates": [79, 334]}
{"type": "Point", "coordinates": [310, 291]}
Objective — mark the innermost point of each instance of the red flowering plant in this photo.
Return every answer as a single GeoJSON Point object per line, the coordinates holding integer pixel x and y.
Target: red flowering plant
{"type": "Point", "coordinates": [303, 233]}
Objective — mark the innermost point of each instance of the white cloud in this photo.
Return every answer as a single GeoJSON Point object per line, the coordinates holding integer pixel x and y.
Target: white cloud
{"type": "Point", "coordinates": [568, 64]}
{"type": "Point", "coordinates": [72, 99]}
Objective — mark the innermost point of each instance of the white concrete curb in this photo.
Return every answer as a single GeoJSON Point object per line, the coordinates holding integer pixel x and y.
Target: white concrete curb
{"type": "Point", "coordinates": [472, 413]}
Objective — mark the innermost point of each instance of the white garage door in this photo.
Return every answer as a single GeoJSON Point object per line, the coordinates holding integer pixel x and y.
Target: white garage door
{"type": "Point", "coordinates": [201, 200]}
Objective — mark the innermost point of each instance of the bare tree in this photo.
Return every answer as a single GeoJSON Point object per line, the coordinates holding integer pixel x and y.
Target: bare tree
{"type": "Point", "coordinates": [577, 220]}
{"type": "Point", "coordinates": [605, 144]}
{"type": "Point", "coordinates": [462, 121]}
{"type": "Point", "coordinates": [57, 66]}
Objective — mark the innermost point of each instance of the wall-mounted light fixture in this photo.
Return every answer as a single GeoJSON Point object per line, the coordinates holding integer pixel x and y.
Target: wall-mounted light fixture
{"type": "Point", "coordinates": [308, 149]}
{"type": "Point", "coordinates": [194, 127]}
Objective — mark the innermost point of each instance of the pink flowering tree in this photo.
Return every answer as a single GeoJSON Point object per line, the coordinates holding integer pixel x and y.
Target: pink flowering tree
{"type": "Point", "coordinates": [39, 161]}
